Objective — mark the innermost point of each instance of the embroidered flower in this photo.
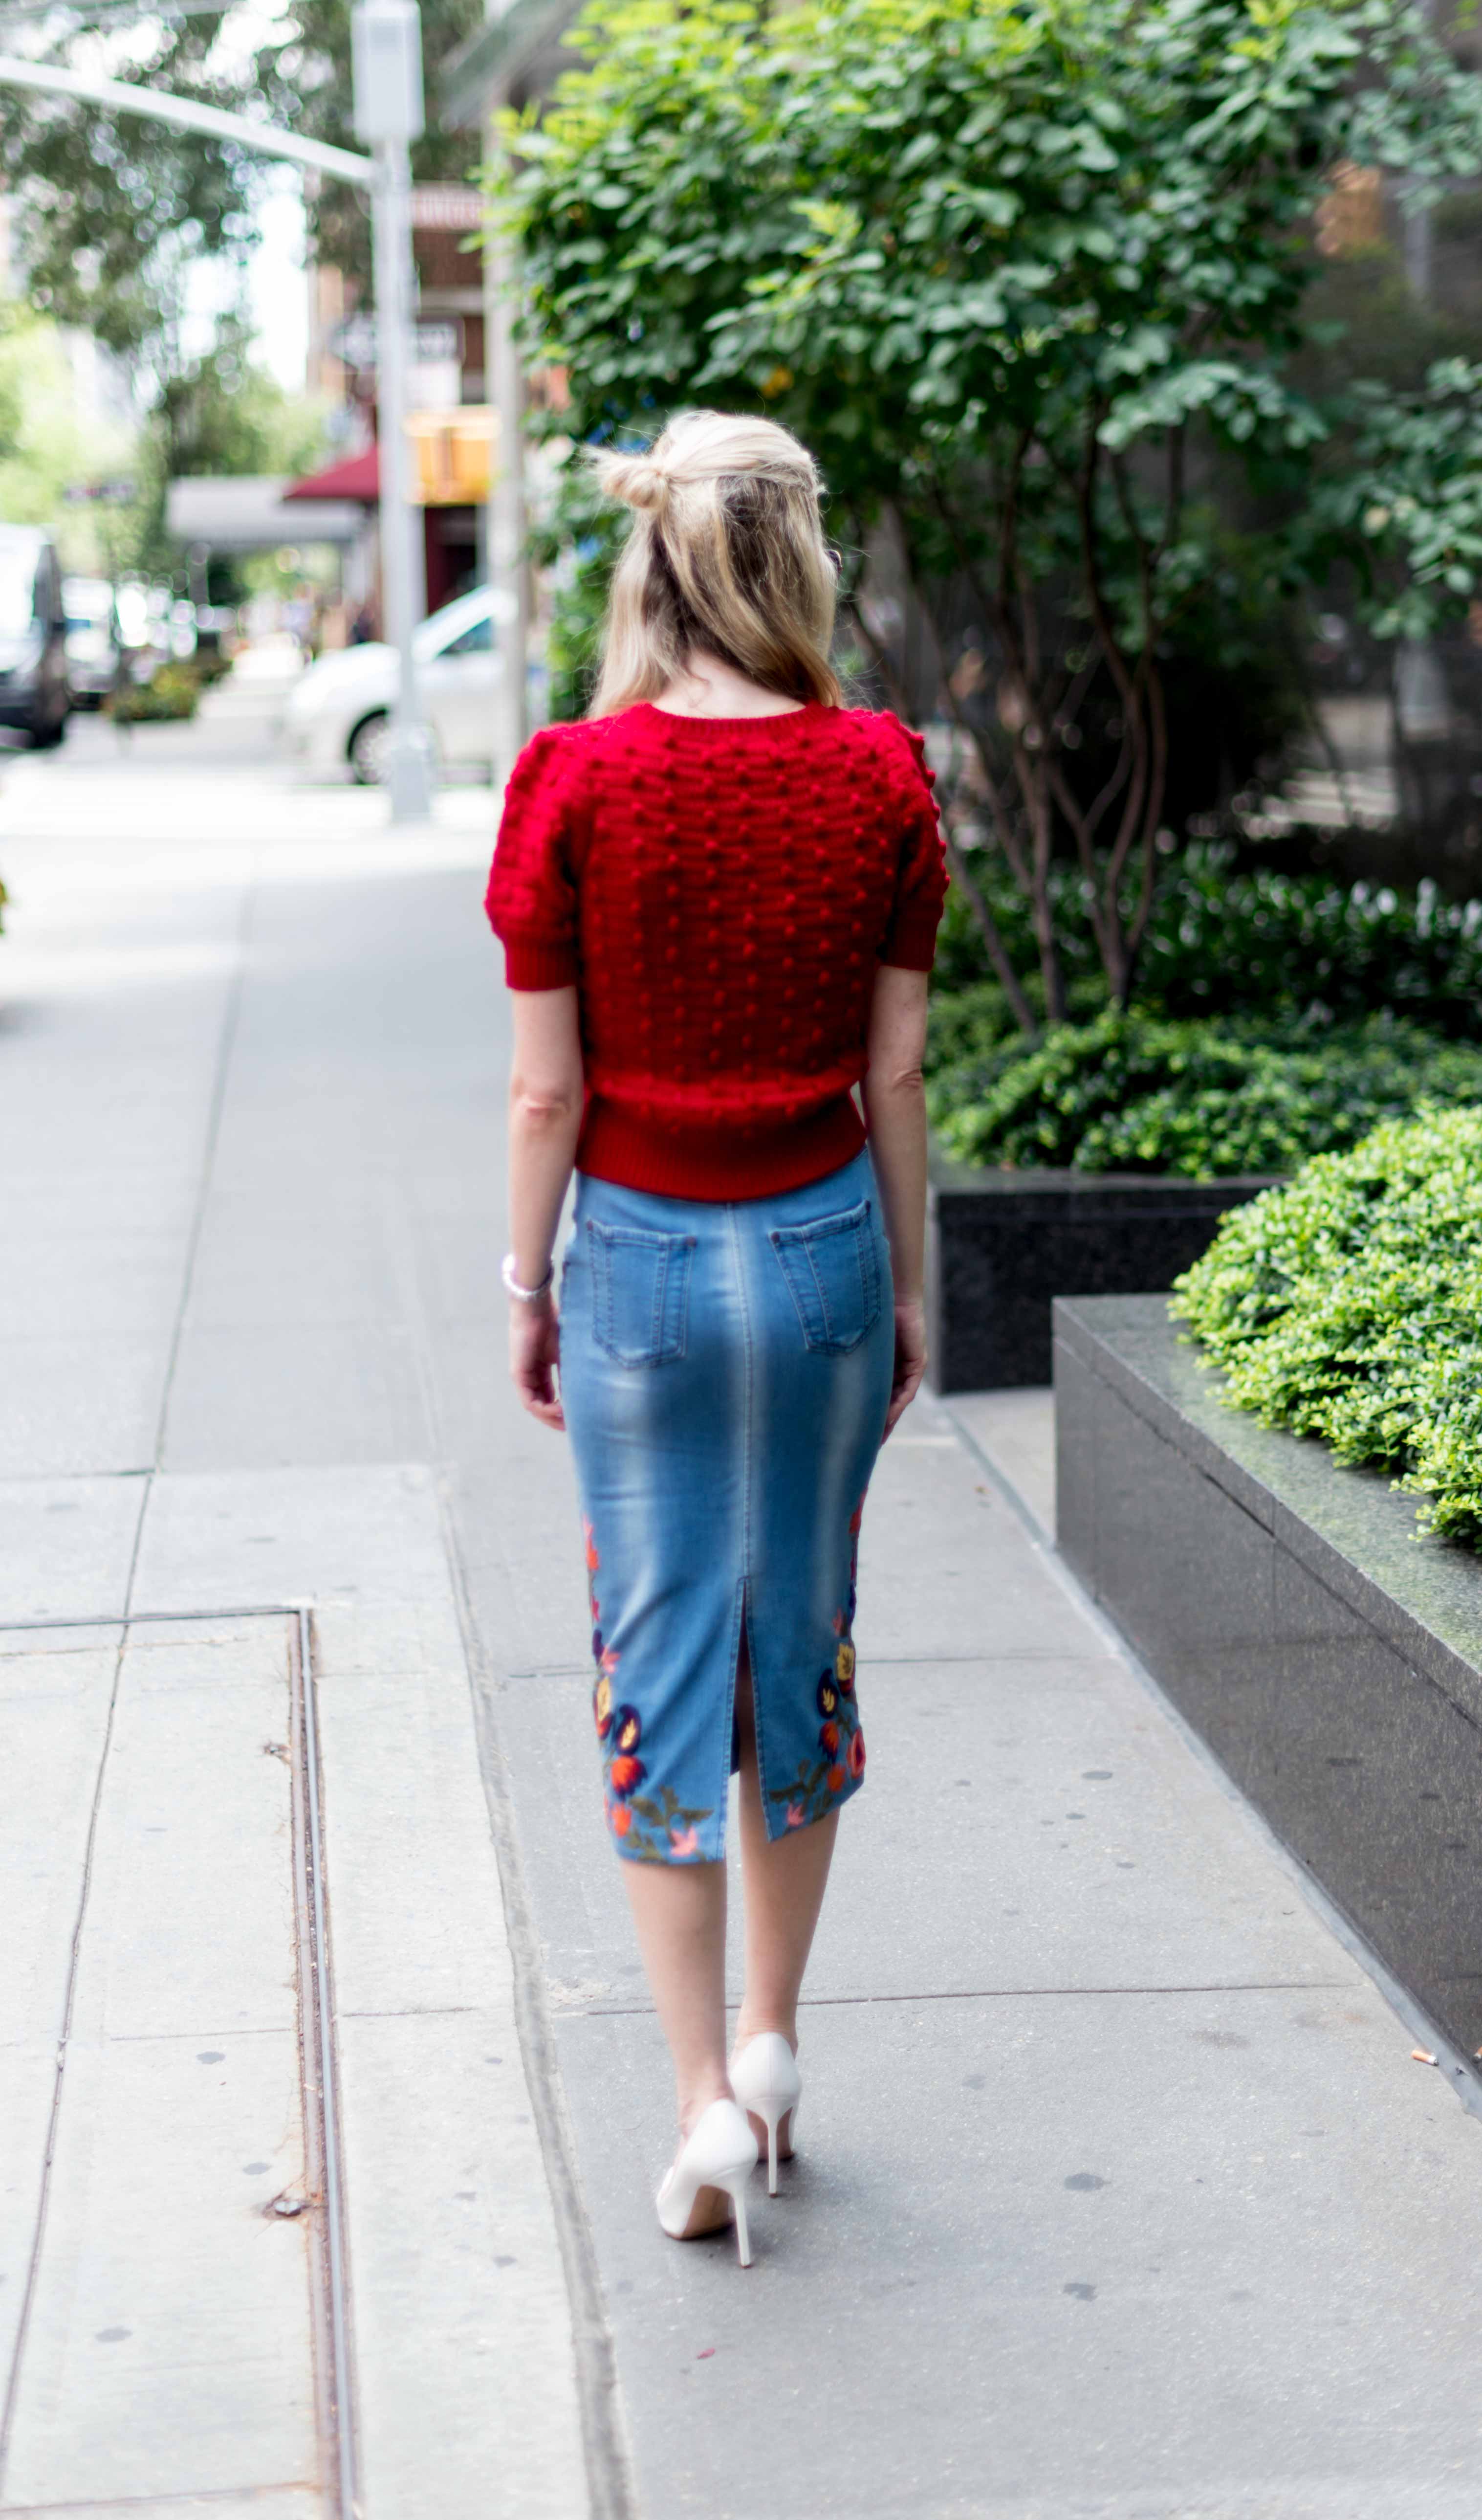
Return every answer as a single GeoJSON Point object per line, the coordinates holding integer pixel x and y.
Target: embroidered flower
{"type": "Point", "coordinates": [625, 1776]}
{"type": "Point", "coordinates": [858, 1515]}
{"type": "Point", "coordinates": [795, 1814]}
{"type": "Point", "coordinates": [835, 1779]}
{"type": "Point", "coordinates": [593, 1561]}
{"type": "Point", "coordinates": [828, 1739]}
{"type": "Point", "coordinates": [827, 1695]}
{"type": "Point", "coordinates": [610, 1658]}
{"type": "Point", "coordinates": [627, 1728]}
{"type": "Point", "coordinates": [683, 1842]}
{"type": "Point", "coordinates": [843, 1665]}
{"type": "Point", "coordinates": [840, 1623]}
{"type": "Point", "coordinates": [621, 1819]}
{"type": "Point", "coordinates": [601, 1706]}
{"type": "Point", "coordinates": [855, 1754]}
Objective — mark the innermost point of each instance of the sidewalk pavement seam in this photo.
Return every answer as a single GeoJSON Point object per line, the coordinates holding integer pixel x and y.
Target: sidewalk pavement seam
{"type": "Point", "coordinates": [1411, 2015]}
{"type": "Point", "coordinates": [1005, 1995]}
{"type": "Point", "coordinates": [606, 2449]}
{"type": "Point", "coordinates": [877, 1662]}
{"type": "Point", "coordinates": [230, 1022]}
{"type": "Point", "coordinates": [608, 2458]}
{"type": "Point", "coordinates": [43, 2201]}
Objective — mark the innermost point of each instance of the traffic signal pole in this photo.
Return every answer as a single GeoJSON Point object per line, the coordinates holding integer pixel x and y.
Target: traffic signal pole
{"type": "Point", "coordinates": [387, 54]}
{"type": "Point", "coordinates": [409, 751]}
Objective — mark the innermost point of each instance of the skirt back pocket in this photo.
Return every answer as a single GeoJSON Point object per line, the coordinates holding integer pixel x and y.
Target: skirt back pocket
{"type": "Point", "coordinates": [639, 1292]}
{"type": "Point", "coordinates": [834, 1277]}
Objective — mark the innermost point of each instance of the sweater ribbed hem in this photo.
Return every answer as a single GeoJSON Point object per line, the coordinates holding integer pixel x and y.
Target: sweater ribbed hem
{"type": "Point", "coordinates": [709, 1160]}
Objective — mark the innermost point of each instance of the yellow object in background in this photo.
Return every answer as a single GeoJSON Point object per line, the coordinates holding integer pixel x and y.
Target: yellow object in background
{"type": "Point", "coordinates": [452, 455]}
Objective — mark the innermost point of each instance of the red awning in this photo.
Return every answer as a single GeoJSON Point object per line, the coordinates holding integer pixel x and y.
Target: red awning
{"type": "Point", "coordinates": [357, 476]}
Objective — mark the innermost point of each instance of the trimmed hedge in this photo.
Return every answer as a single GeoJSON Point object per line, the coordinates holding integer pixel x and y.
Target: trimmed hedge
{"type": "Point", "coordinates": [1348, 1305]}
{"type": "Point", "coordinates": [1134, 1093]}
{"type": "Point", "coordinates": [1247, 944]}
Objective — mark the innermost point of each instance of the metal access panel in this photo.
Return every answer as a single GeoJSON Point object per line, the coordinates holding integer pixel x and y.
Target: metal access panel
{"type": "Point", "coordinates": [176, 2323]}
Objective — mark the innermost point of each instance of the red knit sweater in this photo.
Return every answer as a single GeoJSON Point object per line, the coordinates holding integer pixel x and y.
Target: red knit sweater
{"type": "Point", "coordinates": [721, 891]}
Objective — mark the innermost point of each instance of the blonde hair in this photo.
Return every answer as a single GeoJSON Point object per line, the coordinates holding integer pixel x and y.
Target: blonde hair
{"type": "Point", "coordinates": [726, 553]}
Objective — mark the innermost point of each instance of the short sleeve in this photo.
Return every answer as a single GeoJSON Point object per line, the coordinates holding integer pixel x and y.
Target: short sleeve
{"type": "Point", "coordinates": [531, 900]}
{"type": "Point", "coordinates": [920, 886]}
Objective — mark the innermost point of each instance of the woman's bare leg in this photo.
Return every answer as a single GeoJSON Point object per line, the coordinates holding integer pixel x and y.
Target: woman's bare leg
{"type": "Point", "coordinates": [783, 1880]}
{"type": "Point", "coordinates": [680, 1913]}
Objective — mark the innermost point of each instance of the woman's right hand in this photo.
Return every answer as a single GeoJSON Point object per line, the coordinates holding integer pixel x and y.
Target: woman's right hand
{"type": "Point", "coordinates": [534, 1355]}
{"type": "Point", "coordinates": [909, 1357]}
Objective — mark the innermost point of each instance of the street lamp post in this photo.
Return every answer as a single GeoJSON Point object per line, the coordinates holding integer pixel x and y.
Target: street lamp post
{"type": "Point", "coordinates": [385, 38]}
{"type": "Point", "coordinates": [390, 83]}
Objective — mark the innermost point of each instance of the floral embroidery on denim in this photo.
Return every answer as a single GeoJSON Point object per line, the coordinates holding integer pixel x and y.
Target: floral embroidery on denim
{"type": "Point", "coordinates": [819, 1781]}
{"type": "Point", "coordinates": [662, 1830]}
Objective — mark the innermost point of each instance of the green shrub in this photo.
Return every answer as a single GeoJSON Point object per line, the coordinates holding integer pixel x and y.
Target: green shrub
{"type": "Point", "coordinates": [1136, 1092]}
{"type": "Point", "coordinates": [1222, 942]}
{"type": "Point", "coordinates": [172, 691]}
{"type": "Point", "coordinates": [1349, 1306]}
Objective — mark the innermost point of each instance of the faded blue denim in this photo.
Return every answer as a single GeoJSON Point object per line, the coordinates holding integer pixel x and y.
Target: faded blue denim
{"type": "Point", "coordinates": [725, 1370]}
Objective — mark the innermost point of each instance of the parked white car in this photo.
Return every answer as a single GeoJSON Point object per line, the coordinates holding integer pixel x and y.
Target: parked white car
{"type": "Point", "coordinates": [91, 640]}
{"type": "Point", "coordinates": [337, 713]}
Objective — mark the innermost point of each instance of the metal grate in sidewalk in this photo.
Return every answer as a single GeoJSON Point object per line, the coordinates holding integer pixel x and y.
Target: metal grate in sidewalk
{"type": "Point", "coordinates": [172, 2101]}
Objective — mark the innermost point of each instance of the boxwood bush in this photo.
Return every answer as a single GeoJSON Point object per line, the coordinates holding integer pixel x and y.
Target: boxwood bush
{"type": "Point", "coordinates": [1136, 1092]}
{"type": "Point", "coordinates": [1348, 1305]}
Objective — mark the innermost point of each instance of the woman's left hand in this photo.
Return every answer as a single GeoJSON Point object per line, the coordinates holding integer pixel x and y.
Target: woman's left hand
{"type": "Point", "coordinates": [534, 1356]}
{"type": "Point", "coordinates": [910, 1357]}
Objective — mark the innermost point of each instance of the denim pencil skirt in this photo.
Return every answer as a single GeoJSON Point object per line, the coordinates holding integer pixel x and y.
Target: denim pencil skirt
{"type": "Point", "coordinates": [726, 1369]}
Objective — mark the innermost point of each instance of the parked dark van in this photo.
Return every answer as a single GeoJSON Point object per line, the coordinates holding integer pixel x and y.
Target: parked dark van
{"type": "Point", "coordinates": [34, 692]}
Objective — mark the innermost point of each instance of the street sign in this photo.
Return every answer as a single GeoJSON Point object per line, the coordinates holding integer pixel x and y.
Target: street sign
{"type": "Point", "coordinates": [354, 342]}
{"type": "Point", "coordinates": [103, 494]}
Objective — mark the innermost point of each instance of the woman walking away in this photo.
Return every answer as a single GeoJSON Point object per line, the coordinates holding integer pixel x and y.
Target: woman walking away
{"type": "Point", "coordinates": [718, 898]}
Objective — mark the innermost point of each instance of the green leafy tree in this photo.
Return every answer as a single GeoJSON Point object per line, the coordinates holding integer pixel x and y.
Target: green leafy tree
{"type": "Point", "coordinates": [1031, 281]}
{"type": "Point", "coordinates": [222, 413]}
{"type": "Point", "coordinates": [44, 449]}
{"type": "Point", "coordinates": [109, 211]}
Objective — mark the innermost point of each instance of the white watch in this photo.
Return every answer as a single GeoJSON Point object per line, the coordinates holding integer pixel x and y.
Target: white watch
{"type": "Point", "coordinates": [525, 1295]}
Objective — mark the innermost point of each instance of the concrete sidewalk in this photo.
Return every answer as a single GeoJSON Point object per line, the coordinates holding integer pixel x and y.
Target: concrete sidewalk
{"type": "Point", "coordinates": [1119, 2192]}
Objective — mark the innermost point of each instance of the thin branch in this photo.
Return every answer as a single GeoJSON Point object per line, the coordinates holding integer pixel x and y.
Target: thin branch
{"type": "Point", "coordinates": [997, 952]}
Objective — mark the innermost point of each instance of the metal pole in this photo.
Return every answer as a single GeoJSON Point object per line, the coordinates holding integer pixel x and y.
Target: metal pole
{"type": "Point", "coordinates": [409, 751]}
{"type": "Point", "coordinates": [509, 575]}
{"type": "Point", "coordinates": [158, 106]}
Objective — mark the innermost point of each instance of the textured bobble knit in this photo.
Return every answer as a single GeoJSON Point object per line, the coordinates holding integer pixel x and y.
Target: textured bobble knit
{"type": "Point", "coordinates": [721, 891]}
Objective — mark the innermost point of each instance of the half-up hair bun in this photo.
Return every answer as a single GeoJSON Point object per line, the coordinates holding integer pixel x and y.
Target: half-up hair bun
{"type": "Point", "coordinates": [636, 479]}
{"type": "Point", "coordinates": [725, 557]}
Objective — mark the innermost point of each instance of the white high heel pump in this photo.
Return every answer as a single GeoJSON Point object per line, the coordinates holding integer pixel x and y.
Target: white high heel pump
{"type": "Point", "coordinates": [720, 2151]}
{"type": "Point", "coordinates": [768, 2085]}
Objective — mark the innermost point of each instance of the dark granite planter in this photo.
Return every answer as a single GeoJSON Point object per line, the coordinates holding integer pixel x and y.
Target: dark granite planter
{"type": "Point", "coordinates": [1331, 1660]}
{"type": "Point", "coordinates": [1001, 1245]}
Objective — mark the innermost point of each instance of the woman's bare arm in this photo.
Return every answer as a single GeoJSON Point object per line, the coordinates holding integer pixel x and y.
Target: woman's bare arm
{"type": "Point", "coordinates": [546, 1096]}
{"type": "Point", "coordinates": [895, 1115]}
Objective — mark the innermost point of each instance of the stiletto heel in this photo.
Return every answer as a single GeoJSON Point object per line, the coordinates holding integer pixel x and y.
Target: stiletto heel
{"type": "Point", "coordinates": [720, 2153]}
{"type": "Point", "coordinates": [768, 2086]}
